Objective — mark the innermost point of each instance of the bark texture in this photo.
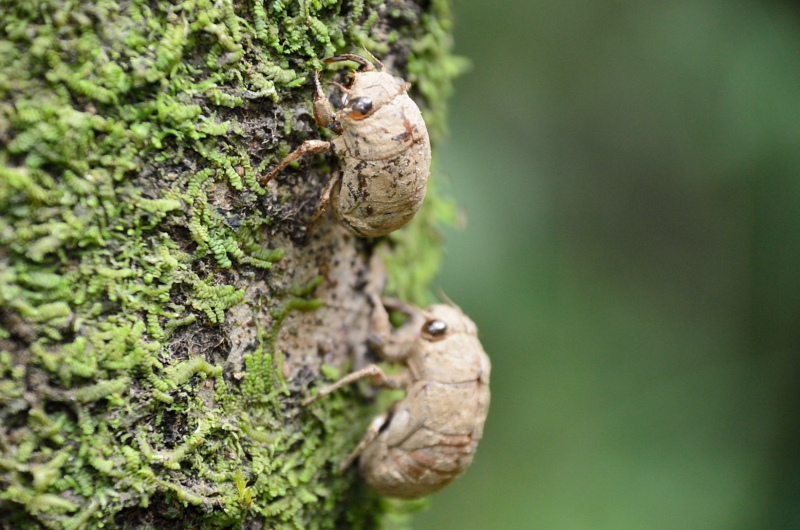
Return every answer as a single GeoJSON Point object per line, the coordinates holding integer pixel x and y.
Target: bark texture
{"type": "Point", "coordinates": [161, 313]}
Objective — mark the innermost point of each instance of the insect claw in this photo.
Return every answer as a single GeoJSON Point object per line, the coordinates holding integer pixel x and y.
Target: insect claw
{"type": "Point", "coordinates": [366, 66]}
{"type": "Point", "coordinates": [373, 57]}
{"type": "Point", "coordinates": [317, 86]}
{"type": "Point", "coordinates": [343, 466]}
{"type": "Point", "coordinates": [341, 87]}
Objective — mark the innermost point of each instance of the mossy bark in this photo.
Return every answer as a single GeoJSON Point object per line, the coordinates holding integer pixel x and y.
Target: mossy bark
{"type": "Point", "coordinates": [161, 313]}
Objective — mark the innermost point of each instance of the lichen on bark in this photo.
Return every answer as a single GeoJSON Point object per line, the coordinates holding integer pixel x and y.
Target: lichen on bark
{"type": "Point", "coordinates": [161, 313]}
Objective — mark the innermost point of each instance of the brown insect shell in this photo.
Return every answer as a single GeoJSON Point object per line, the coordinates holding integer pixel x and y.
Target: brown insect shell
{"type": "Point", "coordinates": [387, 157]}
{"type": "Point", "coordinates": [433, 432]}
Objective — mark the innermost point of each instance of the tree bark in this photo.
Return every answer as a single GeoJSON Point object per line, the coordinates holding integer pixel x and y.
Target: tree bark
{"type": "Point", "coordinates": [161, 313]}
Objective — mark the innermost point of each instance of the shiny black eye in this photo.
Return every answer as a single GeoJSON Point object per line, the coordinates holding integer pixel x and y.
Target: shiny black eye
{"type": "Point", "coordinates": [435, 329]}
{"type": "Point", "coordinates": [361, 105]}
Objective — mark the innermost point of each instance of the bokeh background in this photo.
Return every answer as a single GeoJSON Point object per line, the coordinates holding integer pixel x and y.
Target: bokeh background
{"type": "Point", "coordinates": [631, 176]}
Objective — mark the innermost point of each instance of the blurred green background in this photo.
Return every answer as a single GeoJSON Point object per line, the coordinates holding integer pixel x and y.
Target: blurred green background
{"type": "Point", "coordinates": [630, 175]}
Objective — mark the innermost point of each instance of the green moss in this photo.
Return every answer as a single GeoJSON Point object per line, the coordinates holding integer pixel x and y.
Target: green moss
{"type": "Point", "coordinates": [122, 127]}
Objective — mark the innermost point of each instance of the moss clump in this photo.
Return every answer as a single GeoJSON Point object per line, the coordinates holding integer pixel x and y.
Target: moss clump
{"type": "Point", "coordinates": [131, 134]}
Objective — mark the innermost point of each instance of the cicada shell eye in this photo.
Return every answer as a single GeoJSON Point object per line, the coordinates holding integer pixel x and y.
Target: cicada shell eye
{"type": "Point", "coordinates": [360, 108]}
{"type": "Point", "coordinates": [434, 330]}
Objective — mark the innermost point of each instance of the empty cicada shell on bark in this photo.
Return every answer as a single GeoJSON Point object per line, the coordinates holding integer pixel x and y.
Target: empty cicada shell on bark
{"type": "Point", "coordinates": [384, 146]}
{"type": "Point", "coordinates": [428, 438]}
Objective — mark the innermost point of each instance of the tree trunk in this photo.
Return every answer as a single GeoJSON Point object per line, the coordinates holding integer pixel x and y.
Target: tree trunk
{"type": "Point", "coordinates": [162, 314]}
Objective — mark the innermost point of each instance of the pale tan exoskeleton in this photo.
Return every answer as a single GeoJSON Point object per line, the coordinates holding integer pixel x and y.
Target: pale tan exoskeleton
{"type": "Point", "coordinates": [385, 148]}
{"type": "Point", "coordinates": [428, 438]}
